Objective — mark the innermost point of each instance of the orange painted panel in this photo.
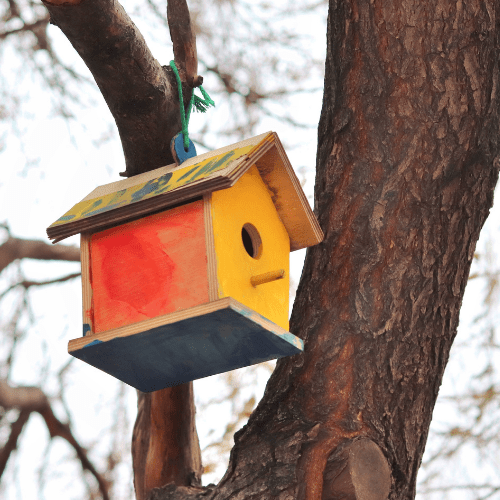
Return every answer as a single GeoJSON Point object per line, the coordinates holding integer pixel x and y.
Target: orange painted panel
{"type": "Point", "coordinates": [152, 266]}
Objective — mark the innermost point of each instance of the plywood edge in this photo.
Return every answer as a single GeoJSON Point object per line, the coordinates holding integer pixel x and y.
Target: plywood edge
{"type": "Point", "coordinates": [266, 323]}
{"type": "Point", "coordinates": [154, 174]}
{"type": "Point", "coordinates": [144, 207]}
{"type": "Point", "coordinates": [87, 306]}
{"type": "Point", "coordinates": [69, 224]}
{"type": "Point", "coordinates": [148, 324]}
{"type": "Point", "coordinates": [213, 287]}
{"type": "Point", "coordinates": [290, 200]}
{"type": "Point", "coordinates": [318, 235]}
{"type": "Point", "coordinates": [235, 174]}
{"type": "Point", "coordinates": [142, 326]}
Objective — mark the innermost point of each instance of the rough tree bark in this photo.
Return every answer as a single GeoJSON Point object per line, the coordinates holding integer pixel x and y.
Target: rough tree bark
{"type": "Point", "coordinates": [406, 167]}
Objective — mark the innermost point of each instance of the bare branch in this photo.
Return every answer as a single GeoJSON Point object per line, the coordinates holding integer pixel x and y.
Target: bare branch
{"type": "Point", "coordinates": [184, 42]}
{"type": "Point", "coordinates": [11, 444]}
{"type": "Point", "coordinates": [29, 399]}
{"type": "Point", "coordinates": [13, 11]}
{"type": "Point", "coordinates": [22, 398]}
{"type": "Point", "coordinates": [139, 92]}
{"type": "Point", "coordinates": [28, 284]}
{"type": "Point", "coordinates": [33, 27]}
{"type": "Point", "coordinates": [16, 248]}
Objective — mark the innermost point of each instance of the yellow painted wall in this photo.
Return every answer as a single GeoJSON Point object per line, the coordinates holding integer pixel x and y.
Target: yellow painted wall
{"type": "Point", "coordinates": [249, 201]}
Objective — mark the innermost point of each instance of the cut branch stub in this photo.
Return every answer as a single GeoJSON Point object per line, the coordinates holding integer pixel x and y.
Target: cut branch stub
{"type": "Point", "coordinates": [362, 473]}
{"type": "Point", "coordinates": [184, 42]}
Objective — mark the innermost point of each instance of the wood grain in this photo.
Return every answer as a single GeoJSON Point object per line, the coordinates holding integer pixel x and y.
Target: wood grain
{"type": "Point", "coordinates": [213, 288]}
{"type": "Point", "coordinates": [289, 198]}
{"type": "Point", "coordinates": [87, 304]}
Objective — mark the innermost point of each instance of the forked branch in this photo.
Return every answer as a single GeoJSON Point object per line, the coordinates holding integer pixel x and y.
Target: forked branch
{"type": "Point", "coordinates": [140, 93]}
{"type": "Point", "coordinates": [33, 399]}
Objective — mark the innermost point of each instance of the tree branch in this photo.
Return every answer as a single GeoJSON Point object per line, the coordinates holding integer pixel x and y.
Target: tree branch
{"type": "Point", "coordinates": [28, 284]}
{"type": "Point", "coordinates": [29, 399]}
{"type": "Point", "coordinates": [26, 27]}
{"type": "Point", "coordinates": [16, 248]}
{"type": "Point", "coordinates": [184, 42]}
{"type": "Point", "coordinates": [165, 447]}
{"type": "Point", "coordinates": [140, 93]}
{"type": "Point", "coordinates": [11, 444]}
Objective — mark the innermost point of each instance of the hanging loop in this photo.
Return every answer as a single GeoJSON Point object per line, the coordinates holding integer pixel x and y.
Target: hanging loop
{"type": "Point", "coordinates": [200, 105]}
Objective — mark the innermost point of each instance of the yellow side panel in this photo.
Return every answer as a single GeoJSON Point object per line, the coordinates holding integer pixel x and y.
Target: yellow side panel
{"type": "Point", "coordinates": [249, 202]}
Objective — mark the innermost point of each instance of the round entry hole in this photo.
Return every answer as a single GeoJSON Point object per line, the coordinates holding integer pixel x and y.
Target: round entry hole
{"type": "Point", "coordinates": [251, 240]}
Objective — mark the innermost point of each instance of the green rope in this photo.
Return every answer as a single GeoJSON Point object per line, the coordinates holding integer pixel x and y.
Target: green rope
{"type": "Point", "coordinates": [199, 104]}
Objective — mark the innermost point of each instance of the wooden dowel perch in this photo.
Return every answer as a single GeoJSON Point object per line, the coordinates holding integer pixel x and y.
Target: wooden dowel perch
{"type": "Point", "coordinates": [267, 277]}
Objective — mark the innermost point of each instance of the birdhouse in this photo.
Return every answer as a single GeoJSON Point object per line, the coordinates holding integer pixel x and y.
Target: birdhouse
{"type": "Point", "coordinates": [185, 269]}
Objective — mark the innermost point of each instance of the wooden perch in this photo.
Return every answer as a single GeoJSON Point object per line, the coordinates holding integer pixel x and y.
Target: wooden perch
{"type": "Point", "coordinates": [260, 279]}
{"type": "Point", "coordinates": [141, 94]}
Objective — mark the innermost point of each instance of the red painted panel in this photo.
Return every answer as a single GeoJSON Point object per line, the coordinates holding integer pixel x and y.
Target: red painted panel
{"type": "Point", "coordinates": [149, 267]}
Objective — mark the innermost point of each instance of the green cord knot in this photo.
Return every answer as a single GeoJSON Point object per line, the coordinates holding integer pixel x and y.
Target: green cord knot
{"type": "Point", "coordinates": [200, 105]}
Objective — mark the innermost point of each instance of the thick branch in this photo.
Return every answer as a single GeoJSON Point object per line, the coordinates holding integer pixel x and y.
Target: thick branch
{"type": "Point", "coordinates": [165, 447]}
{"type": "Point", "coordinates": [141, 94]}
{"type": "Point", "coordinates": [16, 248]}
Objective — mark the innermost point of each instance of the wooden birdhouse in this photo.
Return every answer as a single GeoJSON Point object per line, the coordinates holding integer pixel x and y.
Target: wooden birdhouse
{"type": "Point", "coordinates": [185, 269]}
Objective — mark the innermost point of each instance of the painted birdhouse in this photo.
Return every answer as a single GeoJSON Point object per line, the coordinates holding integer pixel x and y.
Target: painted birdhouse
{"type": "Point", "coordinates": [185, 269]}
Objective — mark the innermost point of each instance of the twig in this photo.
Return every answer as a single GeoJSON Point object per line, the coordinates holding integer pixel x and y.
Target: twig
{"type": "Point", "coordinates": [44, 21]}
{"type": "Point", "coordinates": [28, 284]}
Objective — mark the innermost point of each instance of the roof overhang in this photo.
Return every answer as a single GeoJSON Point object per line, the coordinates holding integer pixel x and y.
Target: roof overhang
{"type": "Point", "coordinates": [120, 201]}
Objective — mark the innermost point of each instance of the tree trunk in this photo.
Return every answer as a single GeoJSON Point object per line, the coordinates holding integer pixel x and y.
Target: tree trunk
{"type": "Point", "coordinates": [406, 168]}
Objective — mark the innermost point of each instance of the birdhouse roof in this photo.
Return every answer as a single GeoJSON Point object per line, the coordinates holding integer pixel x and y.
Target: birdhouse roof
{"type": "Point", "coordinates": [118, 202]}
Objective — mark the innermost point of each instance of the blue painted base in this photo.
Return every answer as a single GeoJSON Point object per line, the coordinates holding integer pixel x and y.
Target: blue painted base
{"type": "Point", "coordinates": [189, 349]}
